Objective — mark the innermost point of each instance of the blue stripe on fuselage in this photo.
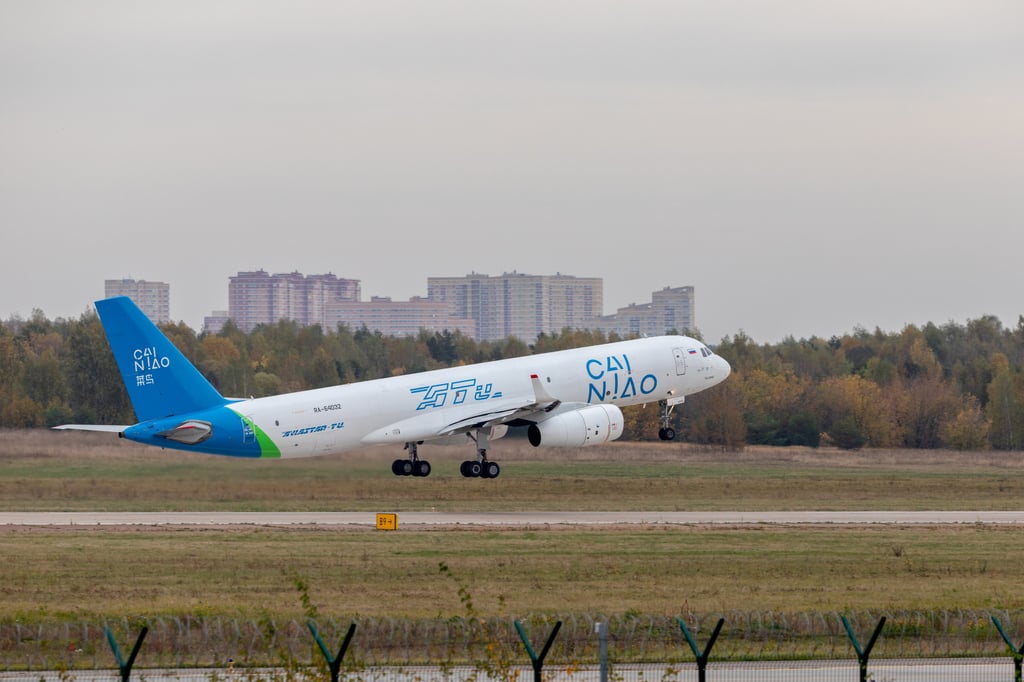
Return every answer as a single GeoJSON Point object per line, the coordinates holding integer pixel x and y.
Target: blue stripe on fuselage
{"type": "Point", "coordinates": [232, 435]}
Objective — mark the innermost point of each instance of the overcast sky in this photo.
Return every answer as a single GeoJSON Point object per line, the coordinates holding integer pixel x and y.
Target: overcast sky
{"type": "Point", "coordinates": [808, 166]}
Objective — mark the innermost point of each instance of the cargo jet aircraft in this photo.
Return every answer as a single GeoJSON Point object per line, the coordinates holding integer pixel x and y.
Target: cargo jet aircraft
{"type": "Point", "coordinates": [568, 398]}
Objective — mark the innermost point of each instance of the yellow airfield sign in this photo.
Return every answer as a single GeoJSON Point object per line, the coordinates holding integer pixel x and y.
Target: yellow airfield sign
{"type": "Point", "coordinates": [387, 521]}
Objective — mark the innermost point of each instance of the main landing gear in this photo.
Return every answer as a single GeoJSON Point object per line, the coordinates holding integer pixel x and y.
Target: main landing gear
{"type": "Point", "coordinates": [414, 466]}
{"type": "Point", "coordinates": [480, 467]}
{"type": "Point", "coordinates": [666, 432]}
{"type": "Point", "coordinates": [472, 468]}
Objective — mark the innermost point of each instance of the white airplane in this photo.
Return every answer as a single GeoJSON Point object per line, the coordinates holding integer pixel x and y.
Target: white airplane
{"type": "Point", "coordinates": [568, 398]}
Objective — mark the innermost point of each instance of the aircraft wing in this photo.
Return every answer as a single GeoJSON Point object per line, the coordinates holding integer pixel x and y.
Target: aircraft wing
{"type": "Point", "coordinates": [446, 422]}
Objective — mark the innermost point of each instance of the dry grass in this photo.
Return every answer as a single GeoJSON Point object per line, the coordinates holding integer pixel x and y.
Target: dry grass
{"type": "Point", "coordinates": [250, 572]}
{"type": "Point", "coordinates": [41, 470]}
{"type": "Point", "coordinates": [657, 570]}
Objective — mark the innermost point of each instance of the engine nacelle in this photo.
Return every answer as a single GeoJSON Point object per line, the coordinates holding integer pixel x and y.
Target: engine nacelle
{"type": "Point", "coordinates": [588, 426]}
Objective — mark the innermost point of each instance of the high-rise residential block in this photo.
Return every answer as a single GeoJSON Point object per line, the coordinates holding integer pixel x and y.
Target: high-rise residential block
{"type": "Point", "coordinates": [153, 298]}
{"type": "Point", "coordinates": [671, 309]}
{"type": "Point", "coordinates": [520, 305]}
{"type": "Point", "coordinates": [258, 297]}
{"type": "Point", "coordinates": [403, 318]}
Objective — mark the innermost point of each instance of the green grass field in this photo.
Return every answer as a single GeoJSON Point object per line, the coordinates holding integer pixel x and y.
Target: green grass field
{"type": "Point", "coordinates": [71, 573]}
{"type": "Point", "coordinates": [657, 570]}
{"type": "Point", "coordinates": [64, 471]}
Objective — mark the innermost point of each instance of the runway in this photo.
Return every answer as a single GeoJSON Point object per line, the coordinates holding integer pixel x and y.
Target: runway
{"type": "Point", "coordinates": [510, 519]}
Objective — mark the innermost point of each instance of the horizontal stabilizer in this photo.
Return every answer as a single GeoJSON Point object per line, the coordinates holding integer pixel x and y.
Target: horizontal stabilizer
{"type": "Point", "coordinates": [109, 428]}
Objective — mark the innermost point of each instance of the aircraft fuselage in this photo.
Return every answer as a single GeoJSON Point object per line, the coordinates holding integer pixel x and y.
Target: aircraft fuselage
{"type": "Point", "coordinates": [419, 407]}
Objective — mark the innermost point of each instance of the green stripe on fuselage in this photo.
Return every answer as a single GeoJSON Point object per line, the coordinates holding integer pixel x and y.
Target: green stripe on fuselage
{"type": "Point", "coordinates": [267, 447]}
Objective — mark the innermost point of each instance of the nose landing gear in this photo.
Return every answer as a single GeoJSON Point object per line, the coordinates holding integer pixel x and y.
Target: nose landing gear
{"type": "Point", "coordinates": [666, 432]}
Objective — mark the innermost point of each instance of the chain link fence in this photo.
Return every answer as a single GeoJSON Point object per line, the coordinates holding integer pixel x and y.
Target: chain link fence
{"type": "Point", "coordinates": [491, 647]}
{"type": "Point", "coordinates": [919, 670]}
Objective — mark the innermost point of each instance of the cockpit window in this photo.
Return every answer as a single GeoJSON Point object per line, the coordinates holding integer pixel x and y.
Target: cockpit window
{"type": "Point", "coordinates": [706, 352]}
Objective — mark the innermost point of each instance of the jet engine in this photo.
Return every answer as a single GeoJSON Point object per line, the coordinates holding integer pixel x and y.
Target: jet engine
{"type": "Point", "coordinates": [587, 426]}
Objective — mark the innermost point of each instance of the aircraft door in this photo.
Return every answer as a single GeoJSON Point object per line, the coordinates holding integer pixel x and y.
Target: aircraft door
{"type": "Point", "coordinates": [680, 355]}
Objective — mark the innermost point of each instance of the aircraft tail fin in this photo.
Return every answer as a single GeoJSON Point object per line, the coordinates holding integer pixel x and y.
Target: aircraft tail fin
{"type": "Point", "coordinates": [160, 381]}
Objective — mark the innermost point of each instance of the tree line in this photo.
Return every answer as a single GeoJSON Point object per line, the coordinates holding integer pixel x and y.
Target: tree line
{"type": "Point", "coordinates": [958, 386]}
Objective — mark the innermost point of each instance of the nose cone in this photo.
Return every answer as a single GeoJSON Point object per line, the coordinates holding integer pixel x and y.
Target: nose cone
{"type": "Point", "coordinates": [722, 369]}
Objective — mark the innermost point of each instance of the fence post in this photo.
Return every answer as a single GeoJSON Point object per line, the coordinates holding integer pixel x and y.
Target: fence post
{"type": "Point", "coordinates": [333, 662]}
{"type": "Point", "coordinates": [125, 667]}
{"type": "Point", "coordinates": [702, 657]}
{"type": "Point", "coordinates": [863, 654]}
{"type": "Point", "coordinates": [537, 661]}
{"type": "Point", "coordinates": [1018, 652]}
{"type": "Point", "coordinates": [602, 637]}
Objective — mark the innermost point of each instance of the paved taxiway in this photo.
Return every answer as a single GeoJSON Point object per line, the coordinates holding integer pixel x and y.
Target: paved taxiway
{"type": "Point", "coordinates": [421, 518]}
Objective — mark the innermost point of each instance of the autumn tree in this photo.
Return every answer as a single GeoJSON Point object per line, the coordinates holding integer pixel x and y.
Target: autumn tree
{"type": "Point", "coordinates": [742, 353]}
{"type": "Point", "coordinates": [715, 417]}
{"type": "Point", "coordinates": [95, 389]}
{"type": "Point", "coordinates": [777, 410]}
{"type": "Point", "coordinates": [940, 385]}
{"type": "Point", "coordinates": [968, 429]}
{"type": "Point", "coordinates": [641, 422]}
{"type": "Point", "coordinates": [926, 405]}
{"type": "Point", "coordinates": [851, 404]}
{"type": "Point", "coordinates": [222, 365]}
{"type": "Point", "coordinates": [1005, 408]}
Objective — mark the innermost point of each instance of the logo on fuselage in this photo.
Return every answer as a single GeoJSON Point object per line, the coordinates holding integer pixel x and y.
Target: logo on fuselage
{"type": "Point", "coordinates": [611, 378]}
{"type": "Point", "coordinates": [436, 395]}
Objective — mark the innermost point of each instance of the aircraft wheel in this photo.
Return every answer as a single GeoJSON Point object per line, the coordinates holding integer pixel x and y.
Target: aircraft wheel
{"type": "Point", "coordinates": [471, 469]}
{"type": "Point", "coordinates": [422, 468]}
{"type": "Point", "coordinates": [490, 470]}
{"type": "Point", "coordinates": [668, 434]}
{"type": "Point", "coordinates": [401, 467]}
{"type": "Point", "coordinates": [396, 467]}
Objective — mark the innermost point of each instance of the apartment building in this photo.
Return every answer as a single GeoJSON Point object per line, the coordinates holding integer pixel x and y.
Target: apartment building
{"type": "Point", "coordinates": [518, 304]}
{"type": "Point", "coordinates": [153, 298]}
{"type": "Point", "coordinates": [259, 297]}
{"type": "Point", "coordinates": [402, 318]}
{"type": "Point", "coordinates": [482, 307]}
{"type": "Point", "coordinates": [670, 309]}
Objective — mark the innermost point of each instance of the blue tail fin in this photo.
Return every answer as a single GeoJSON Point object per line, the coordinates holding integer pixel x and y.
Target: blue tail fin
{"type": "Point", "coordinates": [161, 382]}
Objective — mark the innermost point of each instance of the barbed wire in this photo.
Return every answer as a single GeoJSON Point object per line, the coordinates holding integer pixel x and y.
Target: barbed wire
{"type": "Point", "coordinates": [198, 641]}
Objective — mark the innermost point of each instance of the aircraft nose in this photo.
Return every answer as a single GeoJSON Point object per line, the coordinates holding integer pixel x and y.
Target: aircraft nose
{"type": "Point", "coordinates": [724, 369]}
